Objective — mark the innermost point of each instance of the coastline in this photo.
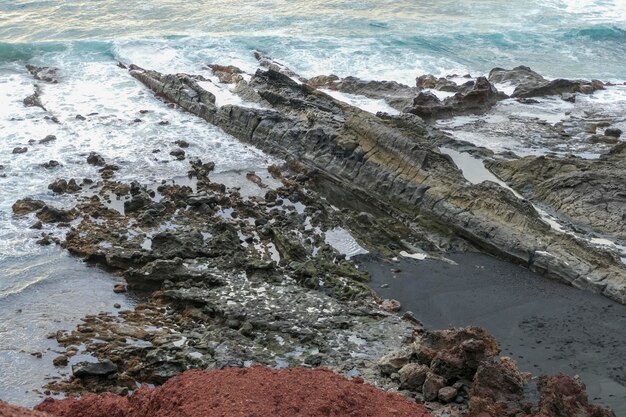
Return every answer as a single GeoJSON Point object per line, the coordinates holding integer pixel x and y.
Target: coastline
{"type": "Point", "coordinates": [230, 254]}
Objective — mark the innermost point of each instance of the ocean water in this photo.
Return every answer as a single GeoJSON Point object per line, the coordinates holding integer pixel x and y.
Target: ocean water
{"type": "Point", "coordinates": [371, 39]}
{"type": "Point", "coordinates": [384, 39]}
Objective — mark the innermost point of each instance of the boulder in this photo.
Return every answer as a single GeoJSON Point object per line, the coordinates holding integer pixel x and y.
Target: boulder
{"type": "Point", "coordinates": [412, 376]}
{"type": "Point", "coordinates": [91, 369]}
{"type": "Point", "coordinates": [447, 394]}
{"type": "Point", "coordinates": [391, 306]}
{"type": "Point", "coordinates": [96, 159]}
{"type": "Point", "coordinates": [478, 98]}
{"type": "Point", "coordinates": [178, 154]}
{"type": "Point", "coordinates": [26, 206]}
{"type": "Point", "coordinates": [530, 84]}
{"type": "Point", "coordinates": [613, 131]}
{"type": "Point", "coordinates": [520, 75]}
{"type": "Point", "coordinates": [60, 361]}
{"type": "Point", "coordinates": [394, 361]}
{"type": "Point", "coordinates": [19, 150]}
{"type": "Point", "coordinates": [432, 384]}
{"type": "Point", "coordinates": [498, 389]}
{"type": "Point", "coordinates": [48, 139]}
{"type": "Point", "coordinates": [49, 214]}
{"type": "Point", "coordinates": [562, 395]}
{"type": "Point", "coordinates": [51, 164]}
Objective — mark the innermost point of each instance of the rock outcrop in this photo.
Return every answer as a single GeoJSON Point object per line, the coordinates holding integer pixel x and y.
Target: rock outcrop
{"type": "Point", "coordinates": [477, 98]}
{"type": "Point", "coordinates": [398, 96]}
{"type": "Point", "coordinates": [462, 366]}
{"type": "Point", "coordinates": [589, 192]}
{"type": "Point", "coordinates": [394, 161]}
{"type": "Point", "coordinates": [530, 84]}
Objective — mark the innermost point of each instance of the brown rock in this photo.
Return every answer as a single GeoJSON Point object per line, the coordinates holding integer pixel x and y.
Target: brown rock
{"type": "Point", "coordinates": [412, 376]}
{"type": "Point", "coordinates": [432, 385]}
{"type": "Point", "coordinates": [60, 361]}
{"type": "Point", "coordinates": [392, 306]}
{"type": "Point", "coordinates": [562, 395]}
{"type": "Point", "coordinates": [498, 389]}
{"type": "Point", "coordinates": [119, 288]}
{"type": "Point", "coordinates": [27, 205]}
{"type": "Point", "coordinates": [447, 394]}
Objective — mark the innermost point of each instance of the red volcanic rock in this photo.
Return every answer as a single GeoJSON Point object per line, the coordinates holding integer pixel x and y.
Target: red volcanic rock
{"type": "Point", "coordinates": [7, 410]}
{"type": "Point", "coordinates": [562, 395]}
{"type": "Point", "coordinates": [234, 392]}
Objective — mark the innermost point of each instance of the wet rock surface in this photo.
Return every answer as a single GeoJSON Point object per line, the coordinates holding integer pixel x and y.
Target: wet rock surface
{"type": "Point", "coordinates": [394, 159]}
{"type": "Point", "coordinates": [530, 84]}
{"type": "Point", "coordinates": [589, 192]}
{"type": "Point", "coordinates": [477, 98]}
{"type": "Point", "coordinates": [230, 277]}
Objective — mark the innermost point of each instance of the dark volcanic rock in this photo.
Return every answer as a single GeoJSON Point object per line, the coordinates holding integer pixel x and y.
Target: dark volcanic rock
{"type": "Point", "coordinates": [34, 100]}
{"type": "Point", "coordinates": [46, 74]}
{"type": "Point", "coordinates": [530, 84]}
{"type": "Point", "coordinates": [478, 99]}
{"type": "Point", "coordinates": [178, 154]}
{"type": "Point", "coordinates": [19, 150]}
{"type": "Point", "coordinates": [521, 75]}
{"type": "Point", "coordinates": [174, 270]}
{"type": "Point", "coordinates": [62, 186]}
{"type": "Point", "coordinates": [96, 159]}
{"type": "Point", "coordinates": [48, 139]}
{"type": "Point", "coordinates": [398, 96]}
{"type": "Point", "coordinates": [51, 164]}
{"type": "Point", "coordinates": [98, 369]}
{"type": "Point", "coordinates": [613, 131]}
{"type": "Point", "coordinates": [391, 159]}
{"type": "Point", "coordinates": [226, 73]}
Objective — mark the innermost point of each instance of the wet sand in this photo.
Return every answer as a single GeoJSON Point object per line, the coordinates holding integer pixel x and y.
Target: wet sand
{"type": "Point", "coordinates": [546, 326]}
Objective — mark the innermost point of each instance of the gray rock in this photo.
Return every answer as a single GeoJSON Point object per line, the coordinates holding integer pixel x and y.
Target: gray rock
{"type": "Point", "coordinates": [95, 159]}
{"type": "Point", "coordinates": [432, 385]}
{"type": "Point", "coordinates": [391, 160]}
{"type": "Point", "coordinates": [412, 376]}
{"type": "Point", "coordinates": [613, 131]}
{"type": "Point", "coordinates": [478, 98]}
{"type": "Point", "coordinates": [98, 369]}
{"type": "Point", "coordinates": [20, 150]}
{"type": "Point", "coordinates": [394, 361]}
{"type": "Point", "coordinates": [447, 394]}
{"type": "Point", "coordinates": [178, 154]}
{"type": "Point", "coordinates": [48, 139]}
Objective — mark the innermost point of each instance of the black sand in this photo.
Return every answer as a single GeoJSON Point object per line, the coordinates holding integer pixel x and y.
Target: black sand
{"type": "Point", "coordinates": [546, 326]}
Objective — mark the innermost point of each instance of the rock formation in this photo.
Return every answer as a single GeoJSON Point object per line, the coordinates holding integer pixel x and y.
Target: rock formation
{"type": "Point", "coordinates": [394, 160]}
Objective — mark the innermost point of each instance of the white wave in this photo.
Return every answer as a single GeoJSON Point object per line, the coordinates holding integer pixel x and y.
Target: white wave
{"type": "Point", "coordinates": [364, 103]}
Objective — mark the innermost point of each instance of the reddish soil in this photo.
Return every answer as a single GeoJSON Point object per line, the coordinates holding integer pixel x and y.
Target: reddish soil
{"type": "Point", "coordinates": [254, 392]}
{"type": "Point", "coordinates": [8, 410]}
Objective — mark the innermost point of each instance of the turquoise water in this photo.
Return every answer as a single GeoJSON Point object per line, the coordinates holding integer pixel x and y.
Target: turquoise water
{"type": "Point", "coordinates": [372, 39]}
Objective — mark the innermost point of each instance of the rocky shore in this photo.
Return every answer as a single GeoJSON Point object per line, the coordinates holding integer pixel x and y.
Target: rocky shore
{"type": "Point", "coordinates": [261, 273]}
